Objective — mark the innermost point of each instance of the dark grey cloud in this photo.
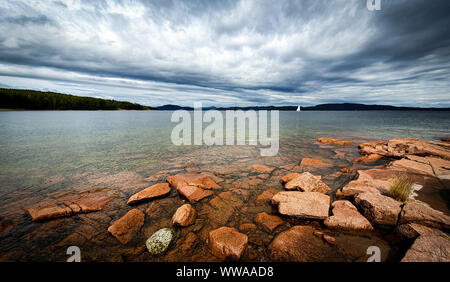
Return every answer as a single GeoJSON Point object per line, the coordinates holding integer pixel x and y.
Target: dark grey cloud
{"type": "Point", "coordinates": [230, 52]}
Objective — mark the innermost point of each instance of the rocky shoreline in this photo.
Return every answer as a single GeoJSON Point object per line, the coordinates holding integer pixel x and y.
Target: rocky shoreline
{"type": "Point", "coordinates": [303, 218]}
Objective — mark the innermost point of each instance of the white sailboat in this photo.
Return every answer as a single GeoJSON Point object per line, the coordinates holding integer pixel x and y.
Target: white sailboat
{"type": "Point", "coordinates": [298, 109]}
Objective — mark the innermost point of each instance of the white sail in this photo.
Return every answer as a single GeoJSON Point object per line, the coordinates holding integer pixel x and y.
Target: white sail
{"type": "Point", "coordinates": [298, 109]}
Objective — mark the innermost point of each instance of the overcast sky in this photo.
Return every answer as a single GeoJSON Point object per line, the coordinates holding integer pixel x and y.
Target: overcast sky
{"type": "Point", "coordinates": [223, 53]}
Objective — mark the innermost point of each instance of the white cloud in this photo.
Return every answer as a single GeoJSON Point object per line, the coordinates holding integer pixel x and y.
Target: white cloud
{"type": "Point", "coordinates": [251, 52]}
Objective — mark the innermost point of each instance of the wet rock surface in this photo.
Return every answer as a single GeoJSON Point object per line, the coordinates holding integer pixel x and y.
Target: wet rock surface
{"type": "Point", "coordinates": [160, 241]}
{"type": "Point", "coordinates": [379, 209]}
{"type": "Point", "coordinates": [125, 228]}
{"type": "Point", "coordinates": [193, 193]}
{"type": "Point", "coordinates": [424, 215]}
{"type": "Point", "coordinates": [429, 249]}
{"type": "Point", "coordinates": [299, 244]}
{"type": "Point", "coordinates": [307, 205]}
{"type": "Point", "coordinates": [375, 181]}
{"type": "Point", "coordinates": [335, 142]}
{"type": "Point", "coordinates": [190, 179]}
{"type": "Point", "coordinates": [68, 206]}
{"type": "Point", "coordinates": [268, 222]}
{"type": "Point", "coordinates": [307, 182]}
{"type": "Point", "coordinates": [154, 191]}
{"type": "Point", "coordinates": [346, 217]}
{"type": "Point", "coordinates": [235, 188]}
{"type": "Point", "coordinates": [184, 216]}
{"type": "Point", "coordinates": [227, 243]}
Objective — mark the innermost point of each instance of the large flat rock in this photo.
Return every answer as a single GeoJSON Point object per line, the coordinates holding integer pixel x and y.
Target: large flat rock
{"type": "Point", "coordinates": [154, 191]}
{"type": "Point", "coordinates": [400, 147]}
{"type": "Point", "coordinates": [346, 217]}
{"type": "Point", "coordinates": [308, 183]}
{"type": "Point", "coordinates": [227, 243]}
{"type": "Point", "coordinates": [125, 228]}
{"type": "Point", "coordinates": [193, 193]}
{"type": "Point", "coordinates": [308, 205]}
{"type": "Point", "coordinates": [69, 205]}
{"type": "Point", "coordinates": [379, 209]}
{"type": "Point", "coordinates": [192, 179]}
{"type": "Point", "coordinates": [335, 142]}
{"type": "Point", "coordinates": [267, 221]}
{"type": "Point", "coordinates": [433, 248]}
{"type": "Point", "coordinates": [421, 214]}
{"type": "Point", "coordinates": [298, 244]}
{"type": "Point", "coordinates": [372, 180]}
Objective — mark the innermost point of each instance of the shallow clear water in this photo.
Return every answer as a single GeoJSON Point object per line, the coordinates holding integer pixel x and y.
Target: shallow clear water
{"type": "Point", "coordinates": [43, 143]}
{"type": "Point", "coordinates": [43, 153]}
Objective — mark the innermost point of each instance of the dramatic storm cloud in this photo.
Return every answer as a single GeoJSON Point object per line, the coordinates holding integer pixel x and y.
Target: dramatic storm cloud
{"type": "Point", "coordinates": [230, 52]}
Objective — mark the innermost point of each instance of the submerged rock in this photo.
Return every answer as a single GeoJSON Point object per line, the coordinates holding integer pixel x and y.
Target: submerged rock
{"type": "Point", "coordinates": [335, 142]}
{"type": "Point", "coordinates": [312, 162]}
{"type": "Point", "coordinates": [161, 241]}
{"type": "Point", "coordinates": [373, 148]}
{"type": "Point", "coordinates": [267, 195]}
{"type": "Point", "coordinates": [221, 208]}
{"type": "Point", "coordinates": [154, 191]}
{"type": "Point", "coordinates": [227, 243]}
{"type": "Point", "coordinates": [346, 170]}
{"type": "Point", "coordinates": [262, 168]}
{"type": "Point", "coordinates": [308, 183]}
{"type": "Point", "coordinates": [368, 158]}
{"type": "Point", "coordinates": [379, 209]}
{"type": "Point", "coordinates": [298, 244]}
{"type": "Point", "coordinates": [268, 222]}
{"type": "Point", "coordinates": [192, 186]}
{"type": "Point", "coordinates": [308, 205]}
{"type": "Point", "coordinates": [184, 216]}
{"type": "Point", "coordinates": [69, 205]}
{"type": "Point", "coordinates": [203, 181]}
{"type": "Point", "coordinates": [47, 211]}
{"type": "Point", "coordinates": [247, 227]}
{"type": "Point", "coordinates": [288, 177]}
{"type": "Point", "coordinates": [346, 217]}
{"type": "Point", "coordinates": [329, 239]}
{"type": "Point", "coordinates": [193, 193]}
{"type": "Point", "coordinates": [125, 228]}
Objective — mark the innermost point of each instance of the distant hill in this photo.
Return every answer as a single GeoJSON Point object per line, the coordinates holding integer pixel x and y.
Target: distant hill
{"type": "Point", "coordinates": [268, 108]}
{"type": "Point", "coordinates": [173, 108]}
{"type": "Point", "coordinates": [37, 100]}
{"type": "Point", "coordinates": [363, 107]}
{"type": "Point", "coordinates": [322, 107]}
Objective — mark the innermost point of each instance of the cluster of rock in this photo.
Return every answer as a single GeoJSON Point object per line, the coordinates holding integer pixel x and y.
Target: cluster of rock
{"type": "Point", "coordinates": [414, 221]}
{"type": "Point", "coordinates": [360, 206]}
{"type": "Point", "coordinates": [364, 203]}
{"type": "Point", "coordinates": [192, 186]}
{"type": "Point", "coordinates": [411, 154]}
{"type": "Point", "coordinates": [69, 205]}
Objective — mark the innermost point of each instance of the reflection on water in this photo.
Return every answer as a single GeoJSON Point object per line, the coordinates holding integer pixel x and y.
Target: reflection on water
{"type": "Point", "coordinates": [44, 154]}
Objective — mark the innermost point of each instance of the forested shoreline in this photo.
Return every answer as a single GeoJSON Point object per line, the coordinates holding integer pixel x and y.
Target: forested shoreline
{"type": "Point", "coordinates": [19, 99]}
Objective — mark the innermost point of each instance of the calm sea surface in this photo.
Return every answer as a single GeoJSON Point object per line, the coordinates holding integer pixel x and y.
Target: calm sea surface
{"type": "Point", "coordinates": [44, 143]}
